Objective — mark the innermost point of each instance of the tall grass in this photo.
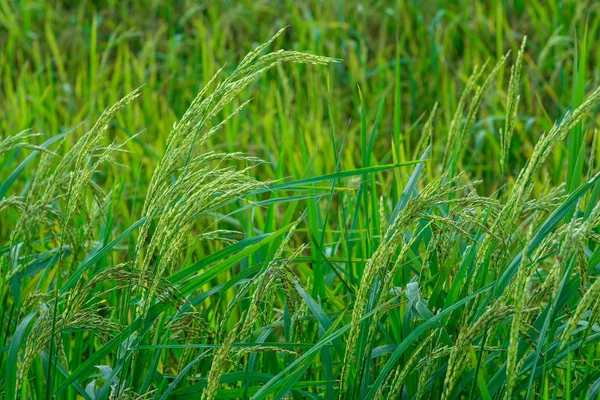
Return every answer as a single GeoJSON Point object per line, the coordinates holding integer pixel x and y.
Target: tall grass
{"type": "Point", "coordinates": [395, 263]}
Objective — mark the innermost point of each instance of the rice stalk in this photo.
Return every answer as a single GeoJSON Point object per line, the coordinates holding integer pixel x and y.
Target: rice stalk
{"type": "Point", "coordinates": [512, 108]}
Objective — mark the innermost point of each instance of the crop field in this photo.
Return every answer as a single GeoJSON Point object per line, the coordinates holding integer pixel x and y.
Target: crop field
{"type": "Point", "coordinates": [307, 199]}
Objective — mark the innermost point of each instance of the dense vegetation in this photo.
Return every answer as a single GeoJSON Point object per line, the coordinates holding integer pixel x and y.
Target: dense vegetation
{"type": "Point", "coordinates": [401, 203]}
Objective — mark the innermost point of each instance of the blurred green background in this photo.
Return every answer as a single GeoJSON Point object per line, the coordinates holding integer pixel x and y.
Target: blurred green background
{"type": "Point", "coordinates": [64, 62]}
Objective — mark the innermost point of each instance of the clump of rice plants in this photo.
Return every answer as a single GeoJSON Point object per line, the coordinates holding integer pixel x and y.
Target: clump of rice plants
{"type": "Point", "coordinates": [329, 286]}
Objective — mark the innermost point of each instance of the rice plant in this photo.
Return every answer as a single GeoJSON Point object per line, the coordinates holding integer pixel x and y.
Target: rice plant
{"type": "Point", "coordinates": [205, 256]}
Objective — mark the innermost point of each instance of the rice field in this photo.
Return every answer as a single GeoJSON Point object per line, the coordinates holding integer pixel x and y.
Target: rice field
{"type": "Point", "coordinates": [299, 200]}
